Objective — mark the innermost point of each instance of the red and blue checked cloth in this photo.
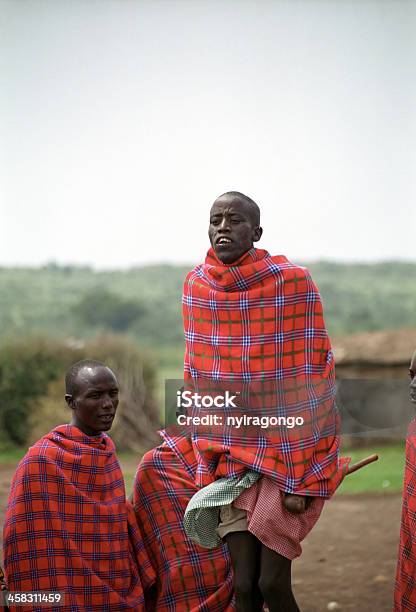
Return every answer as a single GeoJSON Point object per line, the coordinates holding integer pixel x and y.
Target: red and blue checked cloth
{"type": "Point", "coordinates": [189, 578]}
{"type": "Point", "coordinates": [69, 528]}
{"type": "Point", "coordinates": [270, 522]}
{"type": "Point", "coordinates": [405, 587]}
{"type": "Point", "coordinates": [258, 325]}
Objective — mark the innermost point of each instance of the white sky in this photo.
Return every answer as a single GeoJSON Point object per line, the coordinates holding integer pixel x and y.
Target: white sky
{"type": "Point", "coordinates": [121, 122]}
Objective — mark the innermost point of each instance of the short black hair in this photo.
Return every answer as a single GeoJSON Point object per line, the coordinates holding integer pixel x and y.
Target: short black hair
{"type": "Point", "coordinates": [72, 373]}
{"type": "Point", "coordinates": [252, 207]}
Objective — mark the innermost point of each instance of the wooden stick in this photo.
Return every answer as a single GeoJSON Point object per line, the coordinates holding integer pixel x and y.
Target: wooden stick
{"type": "Point", "coordinates": [360, 464]}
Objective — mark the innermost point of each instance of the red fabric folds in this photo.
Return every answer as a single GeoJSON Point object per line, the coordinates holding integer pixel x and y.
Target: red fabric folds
{"type": "Point", "coordinates": [189, 578]}
{"type": "Point", "coordinates": [257, 326]}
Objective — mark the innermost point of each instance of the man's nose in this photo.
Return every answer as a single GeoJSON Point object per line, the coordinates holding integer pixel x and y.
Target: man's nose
{"type": "Point", "coordinates": [225, 224]}
{"type": "Point", "coordinates": [413, 383]}
{"type": "Point", "coordinates": [107, 402]}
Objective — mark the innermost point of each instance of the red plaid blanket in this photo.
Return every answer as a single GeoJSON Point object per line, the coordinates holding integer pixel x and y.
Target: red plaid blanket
{"type": "Point", "coordinates": [189, 578]}
{"type": "Point", "coordinates": [257, 325]}
{"type": "Point", "coordinates": [405, 588]}
{"type": "Point", "coordinates": [69, 528]}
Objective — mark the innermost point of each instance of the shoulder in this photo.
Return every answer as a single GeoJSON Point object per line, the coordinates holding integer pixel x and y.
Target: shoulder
{"type": "Point", "coordinates": [43, 451]}
{"type": "Point", "coordinates": [32, 473]}
{"type": "Point", "coordinates": [285, 265]}
{"type": "Point", "coordinates": [291, 271]}
{"type": "Point", "coordinates": [194, 276]}
{"type": "Point", "coordinates": [154, 457]}
{"type": "Point", "coordinates": [194, 273]}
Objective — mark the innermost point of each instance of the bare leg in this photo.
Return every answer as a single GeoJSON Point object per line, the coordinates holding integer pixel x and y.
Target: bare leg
{"type": "Point", "coordinates": [276, 581]}
{"type": "Point", "coordinates": [245, 551]}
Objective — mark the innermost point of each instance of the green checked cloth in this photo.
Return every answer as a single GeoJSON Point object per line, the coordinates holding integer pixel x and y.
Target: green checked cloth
{"type": "Point", "coordinates": [202, 513]}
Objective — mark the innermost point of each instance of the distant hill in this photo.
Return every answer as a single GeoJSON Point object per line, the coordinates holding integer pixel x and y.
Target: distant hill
{"type": "Point", "coordinates": [145, 302]}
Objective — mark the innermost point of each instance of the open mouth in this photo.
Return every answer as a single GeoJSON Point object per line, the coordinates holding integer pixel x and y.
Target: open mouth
{"type": "Point", "coordinates": [106, 417]}
{"type": "Point", "coordinates": [223, 241]}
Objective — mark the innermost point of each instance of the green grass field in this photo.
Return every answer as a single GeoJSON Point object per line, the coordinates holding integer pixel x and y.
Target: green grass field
{"type": "Point", "coordinates": [10, 455]}
{"type": "Point", "coordinates": [384, 475]}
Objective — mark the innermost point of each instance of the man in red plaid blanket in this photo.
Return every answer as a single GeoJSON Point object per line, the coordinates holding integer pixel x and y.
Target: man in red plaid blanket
{"type": "Point", "coordinates": [250, 319]}
{"type": "Point", "coordinates": [68, 526]}
{"type": "Point", "coordinates": [405, 589]}
{"type": "Point", "coordinates": [254, 321]}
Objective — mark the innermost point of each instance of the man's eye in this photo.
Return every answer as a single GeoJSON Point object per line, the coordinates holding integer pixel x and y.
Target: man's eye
{"type": "Point", "coordinates": [95, 396]}
{"type": "Point", "coordinates": [215, 221]}
{"type": "Point", "coordinates": [114, 393]}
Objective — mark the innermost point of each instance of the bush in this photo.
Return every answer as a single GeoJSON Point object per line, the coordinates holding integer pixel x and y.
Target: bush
{"type": "Point", "coordinates": [101, 307]}
{"type": "Point", "coordinates": [32, 388]}
{"type": "Point", "coordinates": [26, 369]}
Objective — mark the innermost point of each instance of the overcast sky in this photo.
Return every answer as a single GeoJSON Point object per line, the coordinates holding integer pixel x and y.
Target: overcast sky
{"type": "Point", "coordinates": [121, 122]}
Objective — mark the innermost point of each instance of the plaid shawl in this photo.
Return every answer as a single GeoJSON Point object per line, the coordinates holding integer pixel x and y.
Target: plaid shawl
{"type": "Point", "coordinates": [405, 587]}
{"type": "Point", "coordinates": [69, 528]}
{"type": "Point", "coordinates": [189, 578]}
{"type": "Point", "coordinates": [257, 325]}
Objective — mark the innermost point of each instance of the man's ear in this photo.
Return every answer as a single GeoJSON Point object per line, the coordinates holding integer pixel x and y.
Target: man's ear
{"type": "Point", "coordinates": [69, 400]}
{"type": "Point", "coordinates": [257, 233]}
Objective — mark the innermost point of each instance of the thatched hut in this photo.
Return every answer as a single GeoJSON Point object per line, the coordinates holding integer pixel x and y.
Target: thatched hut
{"type": "Point", "coordinates": [372, 375]}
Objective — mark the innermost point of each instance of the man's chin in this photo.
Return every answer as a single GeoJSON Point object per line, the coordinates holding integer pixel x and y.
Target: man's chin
{"type": "Point", "coordinates": [103, 426]}
{"type": "Point", "coordinates": [226, 256]}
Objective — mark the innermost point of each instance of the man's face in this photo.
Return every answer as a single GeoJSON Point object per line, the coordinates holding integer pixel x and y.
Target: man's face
{"type": "Point", "coordinates": [95, 400]}
{"type": "Point", "coordinates": [412, 372]}
{"type": "Point", "coordinates": [232, 230]}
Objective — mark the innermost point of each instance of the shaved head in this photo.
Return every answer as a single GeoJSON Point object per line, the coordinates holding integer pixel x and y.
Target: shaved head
{"type": "Point", "coordinates": [250, 206]}
{"type": "Point", "coordinates": [73, 372]}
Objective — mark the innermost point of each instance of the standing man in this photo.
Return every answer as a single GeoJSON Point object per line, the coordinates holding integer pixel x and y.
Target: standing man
{"type": "Point", "coordinates": [69, 529]}
{"type": "Point", "coordinates": [255, 322]}
{"type": "Point", "coordinates": [405, 589]}
{"type": "Point", "coordinates": [248, 318]}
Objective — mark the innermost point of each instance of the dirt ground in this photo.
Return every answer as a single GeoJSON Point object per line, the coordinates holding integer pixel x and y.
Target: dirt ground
{"type": "Point", "coordinates": [348, 559]}
{"type": "Point", "coordinates": [350, 556]}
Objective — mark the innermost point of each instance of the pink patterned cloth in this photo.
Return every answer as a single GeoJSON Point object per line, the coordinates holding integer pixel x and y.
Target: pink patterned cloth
{"type": "Point", "coordinates": [270, 522]}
